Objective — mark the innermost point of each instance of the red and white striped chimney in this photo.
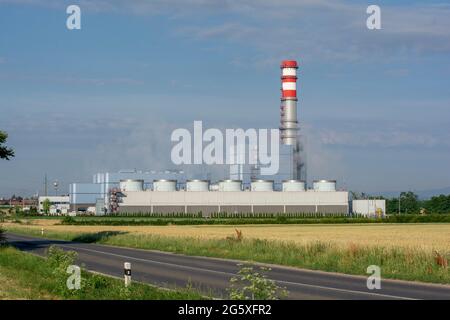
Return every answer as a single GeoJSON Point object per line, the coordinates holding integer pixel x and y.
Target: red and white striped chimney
{"type": "Point", "coordinates": [289, 123]}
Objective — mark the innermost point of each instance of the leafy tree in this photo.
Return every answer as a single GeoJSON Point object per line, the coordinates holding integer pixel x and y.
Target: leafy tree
{"type": "Point", "coordinates": [409, 202]}
{"type": "Point", "coordinates": [5, 153]}
{"type": "Point", "coordinates": [392, 205]}
{"type": "Point", "coordinates": [438, 204]}
{"type": "Point", "coordinates": [46, 206]}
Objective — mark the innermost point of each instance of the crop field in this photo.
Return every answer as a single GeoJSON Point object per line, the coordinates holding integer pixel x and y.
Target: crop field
{"type": "Point", "coordinates": [426, 237]}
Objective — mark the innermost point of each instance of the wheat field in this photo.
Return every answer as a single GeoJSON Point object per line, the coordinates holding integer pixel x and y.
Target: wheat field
{"type": "Point", "coordinates": [416, 236]}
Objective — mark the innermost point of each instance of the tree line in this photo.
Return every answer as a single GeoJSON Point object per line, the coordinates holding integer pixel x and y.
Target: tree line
{"type": "Point", "coordinates": [411, 204]}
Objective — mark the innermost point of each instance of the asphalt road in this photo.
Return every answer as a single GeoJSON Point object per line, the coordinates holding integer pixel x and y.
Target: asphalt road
{"type": "Point", "coordinates": [212, 275]}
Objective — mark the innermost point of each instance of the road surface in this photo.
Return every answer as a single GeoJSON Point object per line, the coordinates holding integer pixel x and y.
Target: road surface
{"type": "Point", "coordinates": [212, 275]}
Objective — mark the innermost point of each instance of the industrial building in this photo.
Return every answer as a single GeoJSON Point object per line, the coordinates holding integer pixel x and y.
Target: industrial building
{"type": "Point", "coordinates": [228, 196]}
{"type": "Point", "coordinates": [58, 204]}
{"type": "Point", "coordinates": [245, 190]}
{"type": "Point", "coordinates": [86, 195]}
{"type": "Point", "coordinates": [375, 208]}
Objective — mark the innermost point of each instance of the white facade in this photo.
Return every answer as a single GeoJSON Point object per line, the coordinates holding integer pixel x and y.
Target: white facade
{"type": "Point", "coordinates": [58, 204]}
{"type": "Point", "coordinates": [369, 208]}
{"type": "Point", "coordinates": [235, 201]}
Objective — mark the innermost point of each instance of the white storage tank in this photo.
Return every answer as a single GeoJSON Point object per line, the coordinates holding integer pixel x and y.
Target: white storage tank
{"type": "Point", "coordinates": [230, 185]}
{"type": "Point", "coordinates": [131, 185]}
{"type": "Point", "coordinates": [294, 185]}
{"type": "Point", "coordinates": [214, 187]}
{"type": "Point", "coordinates": [262, 185]}
{"type": "Point", "coordinates": [197, 185]}
{"type": "Point", "coordinates": [164, 185]}
{"type": "Point", "coordinates": [324, 185]}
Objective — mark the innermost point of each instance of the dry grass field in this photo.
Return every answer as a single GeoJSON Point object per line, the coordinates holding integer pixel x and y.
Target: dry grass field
{"type": "Point", "coordinates": [415, 236]}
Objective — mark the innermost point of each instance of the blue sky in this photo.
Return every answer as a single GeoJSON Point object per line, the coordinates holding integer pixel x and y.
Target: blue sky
{"type": "Point", "coordinates": [374, 105]}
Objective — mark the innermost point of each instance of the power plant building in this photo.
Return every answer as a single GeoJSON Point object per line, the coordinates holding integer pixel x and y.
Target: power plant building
{"type": "Point", "coordinates": [245, 190]}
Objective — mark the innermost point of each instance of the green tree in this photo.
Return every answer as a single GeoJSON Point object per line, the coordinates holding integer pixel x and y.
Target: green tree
{"type": "Point", "coordinates": [46, 206]}
{"type": "Point", "coordinates": [409, 202]}
{"type": "Point", "coordinates": [438, 204]}
{"type": "Point", "coordinates": [5, 153]}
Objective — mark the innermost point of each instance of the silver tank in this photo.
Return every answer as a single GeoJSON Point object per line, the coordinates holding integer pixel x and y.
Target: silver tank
{"type": "Point", "coordinates": [294, 185]}
{"type": "Point", "coordinates": [197, 185]}
{"type": "Point", "coordinates": [164, 185]}
{"type": "Point", "coordinates": [131, 185]}
{"type": "Point", "coordinates": [230, 185]}
{"type": "Point", "coordinates": [324, 185]}
{"type": "Point", "coordinates": [262, 185]}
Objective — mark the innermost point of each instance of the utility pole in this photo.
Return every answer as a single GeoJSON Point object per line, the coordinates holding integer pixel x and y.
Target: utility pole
{"type": "Point", "coordinates": [399, 197]}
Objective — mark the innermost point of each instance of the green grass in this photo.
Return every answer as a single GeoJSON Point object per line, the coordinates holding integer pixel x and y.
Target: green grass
{"type": "Point", "coordinates": [26, 276]}
{"type": "Point", "coordinates": [395, 263]}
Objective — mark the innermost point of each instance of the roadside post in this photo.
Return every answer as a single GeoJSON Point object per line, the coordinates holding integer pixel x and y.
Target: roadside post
{"type": "Point", "coordinates": [42, 231]}
{"type": "Point", "coordinates": [127, 273]}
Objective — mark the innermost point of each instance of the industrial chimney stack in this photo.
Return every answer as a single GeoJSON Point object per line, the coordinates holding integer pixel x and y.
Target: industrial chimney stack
{"type": "Point", "coordinates": [289, 123]}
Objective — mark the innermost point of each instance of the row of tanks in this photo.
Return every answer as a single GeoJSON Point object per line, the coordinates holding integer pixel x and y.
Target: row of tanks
{"type": "Point", "coordinates": [226, 185]}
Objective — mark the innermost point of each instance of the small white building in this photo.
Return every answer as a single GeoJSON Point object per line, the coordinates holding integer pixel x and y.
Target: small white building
{"type": "Point", "coordinates": [369, 207]}
{"type": "Point", "coordinates": [58, 204]}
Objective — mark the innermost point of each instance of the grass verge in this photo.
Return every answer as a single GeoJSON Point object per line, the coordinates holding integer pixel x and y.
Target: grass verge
{"type": "Point", "coordinates": [26, 276]}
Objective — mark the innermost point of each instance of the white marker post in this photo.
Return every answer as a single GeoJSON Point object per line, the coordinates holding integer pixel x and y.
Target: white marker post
{"type": "Point", "coordinates": [42, 231]}
{"type": "Point", "coordinates": [127, 273]}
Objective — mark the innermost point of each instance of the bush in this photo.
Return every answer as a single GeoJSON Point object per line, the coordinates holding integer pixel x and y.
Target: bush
{"type": "Point", "coordinates": [68, 220]}
{"type": "Point", "coordinates": [2, 237]}
{"type": "Point", "coordinates": [254, 285]}
{"type": "Point", "coordinates": [59, 260]}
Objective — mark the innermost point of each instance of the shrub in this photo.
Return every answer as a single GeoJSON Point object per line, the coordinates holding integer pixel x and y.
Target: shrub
{"type": "Point", "coordinates": [2, 237]}
{"type": "Point", "coordinates": [59, 260]}
{"type": "Point", "coordinates": [254, 285]}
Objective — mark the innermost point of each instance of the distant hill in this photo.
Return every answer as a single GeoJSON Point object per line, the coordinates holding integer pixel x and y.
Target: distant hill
{"type": "Point", "coordinates": [423, 194]}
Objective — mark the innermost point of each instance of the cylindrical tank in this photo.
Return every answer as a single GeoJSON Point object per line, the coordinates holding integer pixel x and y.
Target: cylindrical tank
{"type": "Point", "coordinates": [164, 185]}
{"type": "Point", "coordinates": [214, 187]}
{"type": "Point", "coordinates": [131, 185]}
{"type": "Point", "coordinates": [230, 185]}
{"type": "Point", "coordinates": [262, 185]}
{"type": "Point", "coordinates": [324, 185]}
{"type": "Point", "coordinates": [294, 185]}
{"type": "Point", "coordinates": [197, 185]}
